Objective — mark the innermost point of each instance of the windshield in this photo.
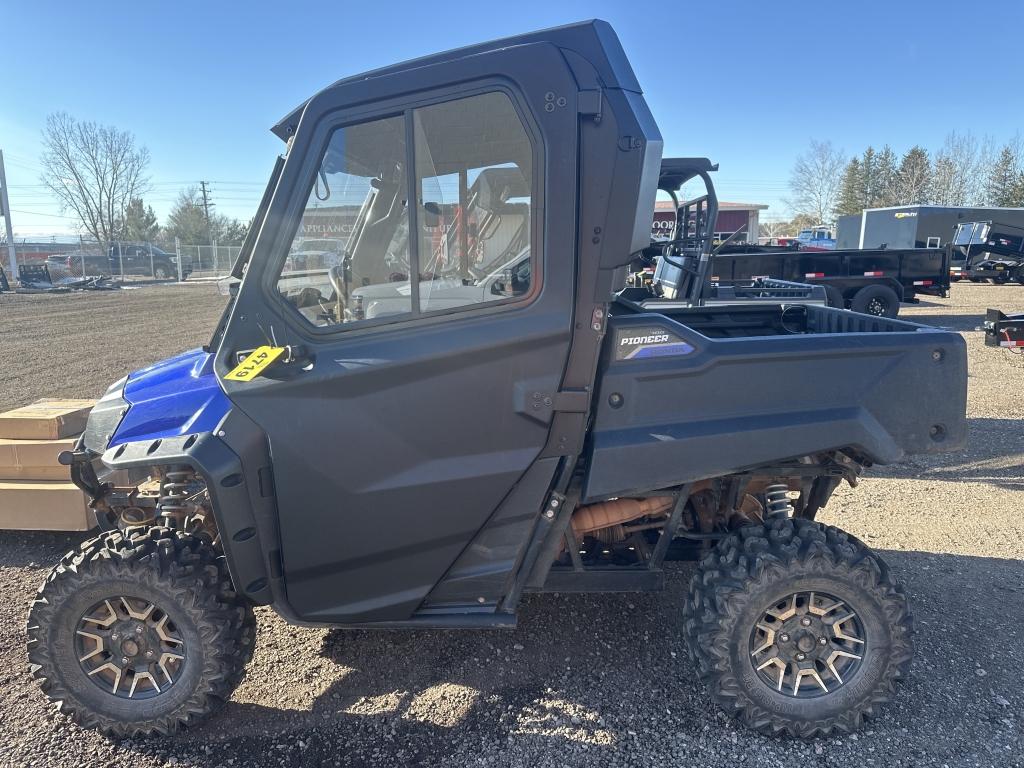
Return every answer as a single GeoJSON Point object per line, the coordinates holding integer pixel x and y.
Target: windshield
{"type": "Point", "coordinates": [245, 253]}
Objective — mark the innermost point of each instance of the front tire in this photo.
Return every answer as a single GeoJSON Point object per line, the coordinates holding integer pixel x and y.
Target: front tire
{"type": "Point", "coordinates": [798, 628]}
{"type": "Point", "coordinates": [140, 633]}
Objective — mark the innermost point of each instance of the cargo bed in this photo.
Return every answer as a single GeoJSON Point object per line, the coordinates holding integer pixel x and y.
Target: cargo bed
{"type": "Point", "coordinates": [687, 394]}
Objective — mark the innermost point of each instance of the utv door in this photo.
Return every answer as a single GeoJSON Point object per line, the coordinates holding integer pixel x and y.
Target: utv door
{"type": "Point", "coordinates": [405, 419]}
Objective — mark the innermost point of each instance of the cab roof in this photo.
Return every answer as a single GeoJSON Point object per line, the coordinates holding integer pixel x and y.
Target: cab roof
{"type": "Point", "coordinates": [594, 40]}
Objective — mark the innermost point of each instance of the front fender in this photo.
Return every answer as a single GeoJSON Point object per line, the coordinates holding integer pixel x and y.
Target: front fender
{"type": "Point", "coordinates": [234, 462]}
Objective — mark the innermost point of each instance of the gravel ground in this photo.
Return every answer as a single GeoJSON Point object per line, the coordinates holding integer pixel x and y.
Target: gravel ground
{"type": "Point", "coordinates": [584, 680]}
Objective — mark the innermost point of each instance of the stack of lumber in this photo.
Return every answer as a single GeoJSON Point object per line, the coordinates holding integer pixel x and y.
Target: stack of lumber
{"type": "Point", "coordinates": [36, 493]}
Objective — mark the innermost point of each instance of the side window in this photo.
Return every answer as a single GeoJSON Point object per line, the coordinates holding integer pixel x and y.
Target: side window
{"type": "Point", "coordinates": [474, 175]}
{"type": "Point", "coordinates": [349, 259]}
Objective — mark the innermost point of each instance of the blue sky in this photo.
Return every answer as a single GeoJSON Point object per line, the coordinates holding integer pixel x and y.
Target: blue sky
{"type": "Point", "coordinates": [200, 84]}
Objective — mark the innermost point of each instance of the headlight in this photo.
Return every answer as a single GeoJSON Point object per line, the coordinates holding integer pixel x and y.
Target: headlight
{"type": "Point", "coordinates": [105, 417]}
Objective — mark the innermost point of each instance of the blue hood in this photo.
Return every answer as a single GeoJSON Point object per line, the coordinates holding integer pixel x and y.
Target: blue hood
{"type": "Point", "coordinates": [177, 396]}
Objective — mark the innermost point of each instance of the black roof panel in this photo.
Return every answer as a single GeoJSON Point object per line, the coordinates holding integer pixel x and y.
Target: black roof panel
{"type": "Point", "coordinates": [594, 40]}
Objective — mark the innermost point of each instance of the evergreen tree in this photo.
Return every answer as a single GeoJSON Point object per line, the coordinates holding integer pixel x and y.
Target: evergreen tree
{"type": "Point", "coordinates": [868, 177]}
{"type": "Point", "coordinates": [885, 179]}
{"type": "Point", "coordinates": [913, 179]}
{"type": "Point", "coordinates": [1015, 192]}
{"type": "Point", "coordinates": [1003, 177]}
{"type": "Point", "coordinates": [140, 224]}
{"type": "Point", "coordinates": [187, 220]}
{"type": "Point", "coordinates": [850, 199]}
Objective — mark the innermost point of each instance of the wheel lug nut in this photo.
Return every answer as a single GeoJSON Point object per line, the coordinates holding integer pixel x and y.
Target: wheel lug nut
{"type": "Point", "coordinates": [113, 636]}
{"type": "Point", "coordinates": [124, 659]}
{"type": "Point", "coordinates": [805, 621]}
{"type": "Point", "coordinates": [800, 657]}
{"type": "Point", "coordinates": [822, 641]}
{"type": "Point", "coordinates": [149, 654]}
{"type": "Point", "coordinates": [138, 630]}
{"type": "Point", "coordinates": [784, 638]}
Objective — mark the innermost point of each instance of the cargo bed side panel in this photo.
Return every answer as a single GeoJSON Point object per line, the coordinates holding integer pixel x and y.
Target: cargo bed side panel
{"type": "Point", "coordinates": [711, 407]}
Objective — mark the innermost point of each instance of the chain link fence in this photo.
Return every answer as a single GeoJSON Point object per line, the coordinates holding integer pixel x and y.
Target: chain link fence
{"type": "Point", "coordinates": [66, 262]}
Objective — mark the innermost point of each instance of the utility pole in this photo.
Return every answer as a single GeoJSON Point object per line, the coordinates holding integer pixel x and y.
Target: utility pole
{"type": "Point", "coordinates": [5, 211]}
{"type": "Point", "coordinates": [207, 205]}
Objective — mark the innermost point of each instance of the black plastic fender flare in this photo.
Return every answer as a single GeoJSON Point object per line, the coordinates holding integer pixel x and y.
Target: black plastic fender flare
{"type": "Point", "coordinates": [234, 463]}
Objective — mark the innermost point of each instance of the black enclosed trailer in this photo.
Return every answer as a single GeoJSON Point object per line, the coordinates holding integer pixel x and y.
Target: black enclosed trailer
{"type": "Point", "coordinates": [914, 226]}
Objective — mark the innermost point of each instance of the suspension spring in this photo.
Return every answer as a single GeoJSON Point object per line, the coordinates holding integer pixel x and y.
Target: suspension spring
{"type": "Point", "coordinates": [174, 492]}
{"type": "Point", "coordinates": [777, 496]}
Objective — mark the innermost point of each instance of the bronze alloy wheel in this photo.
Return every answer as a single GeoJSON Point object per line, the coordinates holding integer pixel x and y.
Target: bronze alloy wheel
{"type": "Point", "coordinates": [807, 645]}
{"type": "Point", "coordinates": [798, 628]}
{"type": "Point", "coordinates": [140, 632]}
{"type": "Point", "coordinates": [129, 647]}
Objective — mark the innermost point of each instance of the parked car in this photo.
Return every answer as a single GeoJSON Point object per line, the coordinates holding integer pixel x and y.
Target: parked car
{"type": "Point", "coordinates": [77, 264]}
{"type": "Point", "coordinates": [145, 259]}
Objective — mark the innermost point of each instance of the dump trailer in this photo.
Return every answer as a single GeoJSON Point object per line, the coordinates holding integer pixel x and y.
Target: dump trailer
{"type": "Point", "coordinates": [1003, 330]}
{"type": "Point", "coordinates": [989, 250]}
{"type": "Point", "coordinates": [466, 408]}
{"type": "Point", "coordinates": [874, 281]}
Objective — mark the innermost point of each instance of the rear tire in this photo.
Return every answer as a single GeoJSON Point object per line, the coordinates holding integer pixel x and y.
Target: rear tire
{"type": "Point", "coordinates": [878, 300]}
{"type": "Point", "coordinates": [752, 575]}
{"type": "Point", "coordinates": [161, 273]}
{"type": "Point", "coordinates": [140, 633]}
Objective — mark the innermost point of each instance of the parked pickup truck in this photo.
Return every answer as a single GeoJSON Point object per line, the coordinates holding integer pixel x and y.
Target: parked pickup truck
{"type": "Point", "coordinates": [426, 467]}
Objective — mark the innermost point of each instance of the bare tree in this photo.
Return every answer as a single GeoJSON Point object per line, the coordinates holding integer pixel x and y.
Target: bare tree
{"type": "Point", "coordinates": [958, 174]}
{"type": "Point", "coordinates": [95, 171]}
{"type": "Point", "coordinates": [815, 179]}
{"type": "Point", "coordinates": [773, 228]}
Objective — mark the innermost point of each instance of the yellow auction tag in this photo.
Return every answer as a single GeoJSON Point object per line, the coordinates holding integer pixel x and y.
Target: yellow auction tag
{"type": "Point", "coordinates": [255, 363]}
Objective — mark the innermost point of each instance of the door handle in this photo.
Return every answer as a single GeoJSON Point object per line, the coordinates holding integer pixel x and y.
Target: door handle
{"type": "Point", "coordinates": [295, 358]}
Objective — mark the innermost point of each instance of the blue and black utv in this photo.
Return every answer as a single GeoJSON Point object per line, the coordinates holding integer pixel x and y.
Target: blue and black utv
{"type": "Point", "coordinates": [456, 400]}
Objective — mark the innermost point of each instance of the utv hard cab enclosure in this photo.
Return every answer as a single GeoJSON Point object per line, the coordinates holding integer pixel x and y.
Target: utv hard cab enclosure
{"type": "Point", "coordinates": [427, 465]}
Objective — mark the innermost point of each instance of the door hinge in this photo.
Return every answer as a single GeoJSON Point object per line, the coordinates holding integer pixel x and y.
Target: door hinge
{"type": "Point", "coordinates": [572, 401]}
{"type": "Point", "coordinates": [589, 103]}
{"type": "Point", "coordinates": [540, 404]}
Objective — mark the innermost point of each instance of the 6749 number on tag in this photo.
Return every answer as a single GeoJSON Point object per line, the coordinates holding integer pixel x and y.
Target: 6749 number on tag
{"type": "Point", "coordinates": [255, 363]}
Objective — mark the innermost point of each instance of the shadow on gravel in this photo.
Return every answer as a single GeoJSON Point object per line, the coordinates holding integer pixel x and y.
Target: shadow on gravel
{"type": "Point", "coordinates": [596, 681]}
{"type": "Point", "coordinates": [994, 455]}
{"type": "Point", "coordinates": [31, 549]}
